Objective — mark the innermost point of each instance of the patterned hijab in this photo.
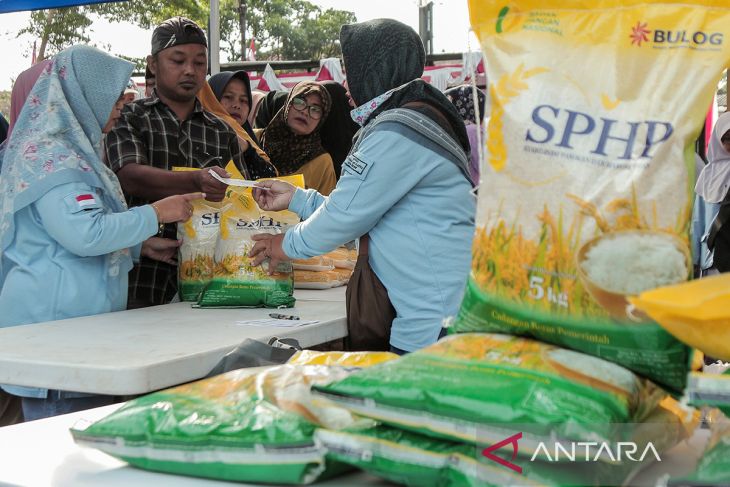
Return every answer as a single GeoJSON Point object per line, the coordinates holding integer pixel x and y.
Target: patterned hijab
{"type": "Point", "coordinates": [57, 137]}
{"type": "Point", "coordinates": [287, 150]}
{"type": "Point", "coordinates": [463, 99]}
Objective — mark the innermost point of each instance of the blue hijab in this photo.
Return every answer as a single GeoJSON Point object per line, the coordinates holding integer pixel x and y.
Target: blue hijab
{"type": "Point", "coordinates": [57, 137]}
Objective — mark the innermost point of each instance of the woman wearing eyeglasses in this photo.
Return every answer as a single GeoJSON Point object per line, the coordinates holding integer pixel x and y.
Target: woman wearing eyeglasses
{"type": "Point", "coordinates": [293, 141]}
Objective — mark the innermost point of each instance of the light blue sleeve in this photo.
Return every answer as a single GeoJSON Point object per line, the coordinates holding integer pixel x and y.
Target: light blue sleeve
{"type": "Point", "coordinates": [374, 178]}
{"type": "Point", "coordinates": [698, 229]}
{"type": "Point", "coordinates": [305, 202]}
{"type": "Point", "coordinates": [85, 229]}
{"type": "Point", "coordinates": [136, 252]}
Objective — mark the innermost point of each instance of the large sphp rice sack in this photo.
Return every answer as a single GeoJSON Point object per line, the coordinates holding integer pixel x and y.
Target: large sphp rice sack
{"type": "Point", "coordinates": [588, 187]}
{"type": "Point", "coordinates": [248, 425]}
{"type": "Point", "coordinates": [458, 387]}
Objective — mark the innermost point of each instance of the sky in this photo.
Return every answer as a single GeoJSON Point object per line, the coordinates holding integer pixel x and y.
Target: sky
{"type": "Point", "coordinates": [451, 31]}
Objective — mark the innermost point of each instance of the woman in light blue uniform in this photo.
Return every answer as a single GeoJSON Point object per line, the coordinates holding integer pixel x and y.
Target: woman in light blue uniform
{"type": "Point", "coordinates": [67, 237]}
{"type": "Point", "coordinates": [405, 184]}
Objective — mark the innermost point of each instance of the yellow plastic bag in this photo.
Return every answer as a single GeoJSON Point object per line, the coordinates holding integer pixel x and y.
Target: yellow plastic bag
{"type": "Point", "coordinates": [588, 183]}
{"type": "Point", "coordinates": [696, 312]}
{"type": "Point", "coordinates": [341, 359]}
{"type": "Point", "coordinates": [236, 282]}
{"type": "Point", "coordinates": [199, 236]}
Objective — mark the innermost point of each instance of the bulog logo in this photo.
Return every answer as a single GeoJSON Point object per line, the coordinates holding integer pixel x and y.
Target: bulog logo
{"type": "Point", "coordinates": [666, 38]}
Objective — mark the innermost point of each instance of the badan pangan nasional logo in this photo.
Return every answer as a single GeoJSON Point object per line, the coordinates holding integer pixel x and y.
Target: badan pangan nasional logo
{"type": "Point", "coordinates": [674, 38]}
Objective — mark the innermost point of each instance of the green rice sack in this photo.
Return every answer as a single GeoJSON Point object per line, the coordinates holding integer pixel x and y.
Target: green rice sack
{"type": "Point", "coordinates": [411, 459]}
{"type": "Point", "coordinates": [236, 282]}
{"type": "Point", "coordinates": [713, 469]}
{"type": "Point", "coordinates": [709, 390]}
{"type": "Point", "coordinates": [248, 425]}
{"type": "Point", "coordinates": [455, 387]}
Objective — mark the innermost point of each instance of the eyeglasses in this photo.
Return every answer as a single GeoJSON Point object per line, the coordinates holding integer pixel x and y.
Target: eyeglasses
{"type": "Point", "coordinates": [300, 105]}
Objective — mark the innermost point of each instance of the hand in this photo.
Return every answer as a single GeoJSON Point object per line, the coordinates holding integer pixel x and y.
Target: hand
{"type": "Point", "coordinates": [278, 196]}
{"type": "Point", "coordinates": [268, 246]}
{"type": "Point", "coordinates": [214, 189]}
{"type": "Point", "coordinates": [176, 208]}
{"type": "Point", "coordinates": [162, 249]}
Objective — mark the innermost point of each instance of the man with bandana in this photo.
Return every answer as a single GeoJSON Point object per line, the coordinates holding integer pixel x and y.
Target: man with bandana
{"type": "Point", "coordinates": [171, 129]}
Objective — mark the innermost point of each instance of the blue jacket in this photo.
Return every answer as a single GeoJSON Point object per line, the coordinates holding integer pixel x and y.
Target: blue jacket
{"type": "Point", "coordinates": [61, 252]}
{"type": "Point", "coordinates": [401, 188]}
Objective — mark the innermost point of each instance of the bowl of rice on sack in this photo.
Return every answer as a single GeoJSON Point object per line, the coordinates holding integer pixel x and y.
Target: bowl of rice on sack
{"type": "Point", "coordinates": [502, 380]}
{"type": "Point", "coordinates": [620, 264]}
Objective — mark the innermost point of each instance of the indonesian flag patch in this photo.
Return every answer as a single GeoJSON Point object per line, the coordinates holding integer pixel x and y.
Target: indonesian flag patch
{"type": "Point", "coordinates": [85, 200]}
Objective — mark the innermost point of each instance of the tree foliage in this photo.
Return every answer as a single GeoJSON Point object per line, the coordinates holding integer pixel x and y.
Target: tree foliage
{"type": "Point", "coordinates": [281, 29]}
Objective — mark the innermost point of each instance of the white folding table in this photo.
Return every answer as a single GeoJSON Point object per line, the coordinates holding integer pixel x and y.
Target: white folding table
{"type": "Point", "coordinates": [143, 350]}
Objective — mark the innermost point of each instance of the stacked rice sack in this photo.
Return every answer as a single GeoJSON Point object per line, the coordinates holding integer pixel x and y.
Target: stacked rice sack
{"type": "Point", "coordinates": [713, 468]}
{"type": "Point", "coordinates": [488, 409]}
{"type": "Point", "coordinates": [709, 391]}
{"type": "Point", "coordinates": [248, 425]}
{"type": "Point", "coordinates": [585, 203]}
{"type": "Point", "coordinates": [326, 271]}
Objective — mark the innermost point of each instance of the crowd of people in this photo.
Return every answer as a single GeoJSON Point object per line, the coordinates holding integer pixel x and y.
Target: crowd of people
{"type": "Point", "coordinates": [89, 199]}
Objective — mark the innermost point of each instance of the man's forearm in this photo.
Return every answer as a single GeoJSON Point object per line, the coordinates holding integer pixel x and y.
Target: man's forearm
{"type": "Point", "coordinates": [152, 184]}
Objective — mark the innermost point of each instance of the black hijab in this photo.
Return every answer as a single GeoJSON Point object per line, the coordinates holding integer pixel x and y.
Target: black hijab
{"type": "Point", "coordinates": [218, 83]}
{"type": "Point", "coordinates": [3, 128]}
{"type": "Point", "coordinates": [339, 128]}
{"type": "Point", "coordinates": [383, 54]}
{"type": "Point", "coordinates": [269, 107]}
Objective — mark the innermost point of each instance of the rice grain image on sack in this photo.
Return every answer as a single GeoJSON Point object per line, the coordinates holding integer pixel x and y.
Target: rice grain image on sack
{"type": "Point", "coordinates": [579, 150]}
